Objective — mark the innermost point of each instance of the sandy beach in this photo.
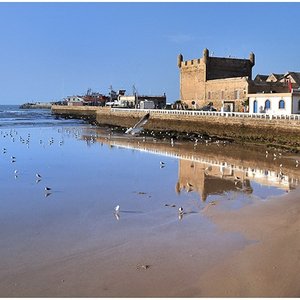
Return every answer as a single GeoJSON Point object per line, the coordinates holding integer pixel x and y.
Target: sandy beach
{"type": "Point", "coordinates": [70, 243]}
{"type": "Point", "coordinates": [268, 267]}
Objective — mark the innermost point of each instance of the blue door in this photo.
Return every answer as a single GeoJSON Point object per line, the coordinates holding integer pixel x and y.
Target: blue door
{"type": "Point", "coordinates": [255, 106]}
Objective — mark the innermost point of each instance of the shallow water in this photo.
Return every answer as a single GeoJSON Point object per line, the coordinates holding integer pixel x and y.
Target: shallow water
{"type": "Point", "coordinates": [68, 231]}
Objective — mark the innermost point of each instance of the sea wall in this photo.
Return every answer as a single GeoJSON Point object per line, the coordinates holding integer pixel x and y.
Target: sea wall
{"type": "Point", "coordinates": [283, 132]}
{"type": "Point", "coordinates": [79, 112]}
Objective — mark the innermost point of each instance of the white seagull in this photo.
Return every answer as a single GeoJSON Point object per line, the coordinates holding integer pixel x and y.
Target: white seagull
{"type": "Point", "coordinates": [117, 209]}
{"type": "Point", "coordinates": [138, 127]}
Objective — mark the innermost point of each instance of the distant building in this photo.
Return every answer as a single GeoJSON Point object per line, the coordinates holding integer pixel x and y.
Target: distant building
{"type": "Point", "coordinates": [134, 101]}
{"type": "Point", "coordinates": [159, 101]}
{"type": "Point", "coordinates": [74, 101]}
{"type": "Point", "coordinates": [226, 82]}
{"type": "Point", "coordinates": [126, 101]}
{"type": "Point", "coordinates": [95, 99]}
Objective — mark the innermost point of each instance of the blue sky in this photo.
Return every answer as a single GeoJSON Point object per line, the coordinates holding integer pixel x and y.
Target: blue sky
{"type": "Point", "coordinates": [52, 50]}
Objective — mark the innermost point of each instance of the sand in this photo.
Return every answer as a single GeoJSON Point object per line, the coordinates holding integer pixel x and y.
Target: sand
{"type": "Point", "coordinates": [266, 267]}
{"type": "Point", "coordinates": [269, 267]}
{"type": "Point", "coordinates": [70, 244]}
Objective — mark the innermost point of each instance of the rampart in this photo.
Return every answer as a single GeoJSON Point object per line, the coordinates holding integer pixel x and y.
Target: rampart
{"type": "Point", "coordinates": [281, 132]}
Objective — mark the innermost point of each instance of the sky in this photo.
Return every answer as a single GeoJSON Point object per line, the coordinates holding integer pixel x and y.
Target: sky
{"type": "Point", "coordinates": [53, 50]}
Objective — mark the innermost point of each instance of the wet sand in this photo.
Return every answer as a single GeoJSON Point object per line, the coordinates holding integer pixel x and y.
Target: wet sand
{"type": "Point", "coordinates": [270, 266]}
{"type": "Point", "coordinates": [267, 266]}
{"type": "Point", "coordinates": [70, 243]}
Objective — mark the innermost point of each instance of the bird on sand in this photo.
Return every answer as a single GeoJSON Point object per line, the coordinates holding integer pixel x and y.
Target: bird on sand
{"type": "Point", "coordinates": [180, 210]}
{"type": "Point", "coordinates": [138, 127]}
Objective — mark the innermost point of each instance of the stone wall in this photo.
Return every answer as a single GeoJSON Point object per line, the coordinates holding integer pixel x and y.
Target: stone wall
{"type": "Point", "coordinates": [220, 67]}
{"type": "Point", "coordinates": [281, 132]}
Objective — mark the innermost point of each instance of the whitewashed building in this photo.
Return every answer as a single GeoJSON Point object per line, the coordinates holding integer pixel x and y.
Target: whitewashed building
{"type": "Point", "coordinates": [74, 101]}
{"type": "Point", "coordinates": [127, 101]}
{"type": "Point", "coordinates": [275, 103]}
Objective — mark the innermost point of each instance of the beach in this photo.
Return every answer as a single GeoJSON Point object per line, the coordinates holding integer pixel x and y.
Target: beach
{"type": "Point", "coordinates": [238, 235]}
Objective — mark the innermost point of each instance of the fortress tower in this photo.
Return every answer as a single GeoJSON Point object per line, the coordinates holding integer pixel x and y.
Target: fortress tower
{"type": "Point", "coordinates": [223, 81]}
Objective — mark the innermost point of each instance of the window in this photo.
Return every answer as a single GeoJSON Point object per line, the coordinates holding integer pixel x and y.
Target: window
{"type": "Point", "coordinates": [281, 104]}
{"type": "Point", "coordinates": [236, 94]}
{"type": "Point", "coordinates": [298, 104]}
{"type": "Point", "coordinates": [255, 106]}
{"type": "Point", "coordinates": [267, 104]}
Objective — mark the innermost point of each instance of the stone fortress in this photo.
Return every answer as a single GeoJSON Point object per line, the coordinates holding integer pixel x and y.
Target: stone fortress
{"type": "Point", "coordinates": [226, 82]}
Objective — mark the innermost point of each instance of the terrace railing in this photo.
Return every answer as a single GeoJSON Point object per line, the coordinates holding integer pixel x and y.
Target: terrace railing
{"type": "Point", "coordinates": [211, 113]}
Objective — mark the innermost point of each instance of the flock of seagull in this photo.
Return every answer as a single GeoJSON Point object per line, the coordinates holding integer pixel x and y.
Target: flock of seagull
{"type": "Point", "coordinates": [12, 134]}
{"type": "Point", "coordinates": [136, 129]}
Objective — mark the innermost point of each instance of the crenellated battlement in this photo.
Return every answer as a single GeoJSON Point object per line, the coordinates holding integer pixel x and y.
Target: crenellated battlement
{"type": "Point", "coordinates": [192, 62]}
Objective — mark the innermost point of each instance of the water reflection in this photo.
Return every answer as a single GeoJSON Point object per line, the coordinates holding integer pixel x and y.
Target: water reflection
{"type": "Point", "coordinates": [216, 170]}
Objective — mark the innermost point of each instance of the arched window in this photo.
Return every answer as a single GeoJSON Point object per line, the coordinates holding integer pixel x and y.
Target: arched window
{"type": "Point", "coordinates": [255, 106]}
{"type": "Point", "coordinates": [281, 104]}
{"type": "Point", "coordinates": [267, 104]}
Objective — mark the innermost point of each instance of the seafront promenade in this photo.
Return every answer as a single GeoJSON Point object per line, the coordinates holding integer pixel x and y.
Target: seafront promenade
{"type": "Point", "coordinates": [280, 130]}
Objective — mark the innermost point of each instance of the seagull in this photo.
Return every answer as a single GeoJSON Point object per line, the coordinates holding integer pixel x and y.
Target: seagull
{"type": "Point", "coordinates": [16, 172]}
{"type": "Point", "coordinates": [117, 209]}
{"type": "Point", "coordinates": [38, 176]}
{"type": "Point", "coordinates": [180, 209]}
{"type": "Point", "coordinates": [138, 127]}
{"type": "Point", "coordinates": [47, 189]}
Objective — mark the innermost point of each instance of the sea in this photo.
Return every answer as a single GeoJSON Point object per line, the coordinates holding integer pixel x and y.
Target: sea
{"type": "Point", "coordinates": [62, 179]}
{"type": "Point", "coordinates": [13, 116]}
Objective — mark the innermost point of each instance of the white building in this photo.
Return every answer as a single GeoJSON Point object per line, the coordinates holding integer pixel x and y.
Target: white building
{"type": "Point", "coordinates": [127, 101]}
{"type": "Point", "coordinates": [74, 101]}
{"type": "Point", "coordinates": [275, 103]}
